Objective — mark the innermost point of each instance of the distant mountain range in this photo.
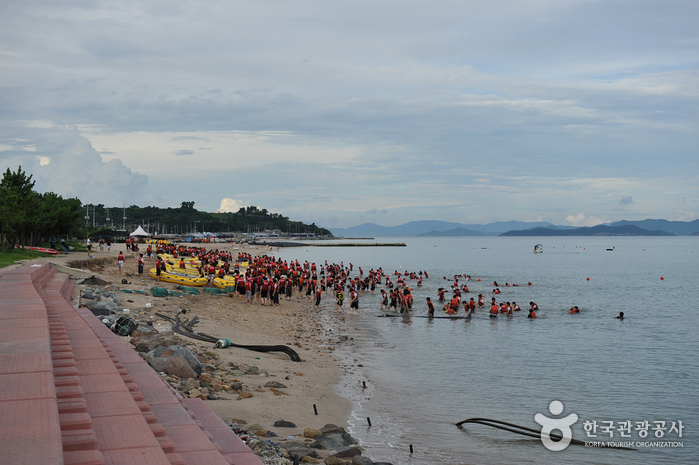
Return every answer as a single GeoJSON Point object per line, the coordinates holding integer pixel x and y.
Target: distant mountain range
{"type": "Point", "coordinates": [433, 228]}
{"type": "Point", "coordinates": [599, 230]}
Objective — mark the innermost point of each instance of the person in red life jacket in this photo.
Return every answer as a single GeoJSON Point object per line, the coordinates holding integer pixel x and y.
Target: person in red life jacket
{"type": "Point", "coordinates": [508, 309]}
{"type": "Point", "coordinates": [120, 262]}
{"type": "Point", "coordinates": [532, 314]}
{"type": "Point", "coordinates": [533, 306]}
{"type": "Point", "coordinates": [472, 305]}
{"type": "Point", "coordinates": [384, 299]}
{"type": "Point", "coordinates": [221, 273]}
{"type": "Point", "coordinates": [481, 301]}
{"type": "Point", "coordinates": [467, 308]}
{"type": "Point", "coordinates": [453, 305]}
{"type": "Point", "coordinates": [182, 264]}
{"type": "Point", "coordinates": [248, 290]}
{"type": "Point", "coordinates": [574, 309]}
{"type": "Point", "coordinates": [466, 288]}
{"type": "Point", "coordinates": [354, 300]}
{"type": "Point", "coordinates": [496, 291]}
{"type": "Point", "coordinates": [140, 265]}
{"type": "Point", "coordinates": [212, 273]}
{"type": "Point", "coordinates": [264, 291]}
{"type": "Point", "coordinates": [318, 293]}
{"type": "Point", "coordinates": [515, 307]}
{"type": "Point", "coordinates": [441, 293]}
{"type": "Point", "coordinates": [157, 269]}
{"type": "Point", "coordinates": [494, 309]}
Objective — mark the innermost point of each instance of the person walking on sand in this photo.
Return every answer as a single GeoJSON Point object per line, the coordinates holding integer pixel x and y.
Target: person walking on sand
{"type": "Point", "coordinates": [140, 265]}
{"type": "Point", "coordinates": [89, 247]}
{"type": "Point", "coordinates": [339, 299]}
{"type": "Point", "coordinates": [120, 262]}
{"type": "Point", "coordinates": [157, 269]}
{"type": "Point", "coordinates": [354, 300]}
{"type": "Point", "coordinates": [318, 294]}
{"type": "Point", "coordinates": [109, 244]}
{"type": "Point", "coordinates": [101, 244]}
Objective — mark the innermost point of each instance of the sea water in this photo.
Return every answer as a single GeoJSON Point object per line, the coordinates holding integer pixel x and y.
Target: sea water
{"type": "Point", "coordinates": [424, 375]}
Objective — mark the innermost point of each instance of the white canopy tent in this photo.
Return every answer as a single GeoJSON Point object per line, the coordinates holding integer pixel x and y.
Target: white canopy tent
{"type": "Point", "coordinates": [139, 232]}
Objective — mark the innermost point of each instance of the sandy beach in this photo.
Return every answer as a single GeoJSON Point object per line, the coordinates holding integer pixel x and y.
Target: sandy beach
{"type": "Point", "coordinates": [295, 323]}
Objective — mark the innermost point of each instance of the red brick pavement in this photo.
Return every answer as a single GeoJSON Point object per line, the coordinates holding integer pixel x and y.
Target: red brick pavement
{"type": "Point", "coordinates": [71, 392]}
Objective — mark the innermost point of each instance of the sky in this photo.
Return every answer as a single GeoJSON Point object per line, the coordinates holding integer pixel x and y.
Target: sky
{"type": "Point", "coordinates": [346, 112]}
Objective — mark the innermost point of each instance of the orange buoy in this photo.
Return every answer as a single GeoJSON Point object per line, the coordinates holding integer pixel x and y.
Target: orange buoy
{"type": "Point", "coordinates": [479, 279]}
{"type": "Point", "coordinates": [662, 278]}
{"type": "Point", "coordinates": [588, 279]}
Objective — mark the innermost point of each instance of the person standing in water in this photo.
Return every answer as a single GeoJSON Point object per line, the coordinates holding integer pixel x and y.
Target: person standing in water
{"type": "Point", "coordinates": [430, 308]}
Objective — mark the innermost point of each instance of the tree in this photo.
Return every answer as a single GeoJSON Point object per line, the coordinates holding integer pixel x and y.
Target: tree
{"type": "Point", "coordinates": [27, 217]}
{"type": "Point", "coordinates": [17, 201]}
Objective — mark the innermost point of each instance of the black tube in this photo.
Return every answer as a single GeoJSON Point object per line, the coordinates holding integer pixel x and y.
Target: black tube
{"type": "Point", "coordinates": [525, 431]}
{"type": "Point", "coordinates": [186, 329]}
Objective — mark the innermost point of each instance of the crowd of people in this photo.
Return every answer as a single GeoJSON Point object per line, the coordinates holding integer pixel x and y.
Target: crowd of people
{"type": "Point", "coordinates": [266, 280]}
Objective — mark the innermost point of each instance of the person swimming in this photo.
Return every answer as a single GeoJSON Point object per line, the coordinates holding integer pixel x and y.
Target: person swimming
{"type": "Point", "coordinates": [574, 309]}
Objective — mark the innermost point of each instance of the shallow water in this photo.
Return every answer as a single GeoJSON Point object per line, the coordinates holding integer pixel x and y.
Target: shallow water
{"type": "Point", "coordinates": [424, 375]}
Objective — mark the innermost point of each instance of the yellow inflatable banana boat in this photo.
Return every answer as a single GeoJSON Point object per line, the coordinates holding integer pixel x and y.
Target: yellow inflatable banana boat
{"type": "Point", "coordinates": [169, 277]}
{"type": "Point", "coordinates": [226, 281]}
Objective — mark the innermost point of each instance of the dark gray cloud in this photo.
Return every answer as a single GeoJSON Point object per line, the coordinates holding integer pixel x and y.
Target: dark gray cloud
{"type": "Point", "coordinates": [446, 96]}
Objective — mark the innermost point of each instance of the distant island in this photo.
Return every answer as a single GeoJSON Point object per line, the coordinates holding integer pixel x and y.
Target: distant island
{"type": "Point", "coordinates": [456, 232]}
{"type": "Point", "coordinates": [434, 228]}
{"type": "Point", "coordinates": [599, 230]}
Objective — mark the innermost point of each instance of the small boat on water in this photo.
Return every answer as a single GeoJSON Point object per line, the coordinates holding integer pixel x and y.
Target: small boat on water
{"type": "Point", "coordinates": [538, 248]}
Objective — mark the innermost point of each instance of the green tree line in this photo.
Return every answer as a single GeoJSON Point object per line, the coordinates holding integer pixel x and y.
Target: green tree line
{"type": "Point", "coordinates": [187, 219]}
{"type": "Point", "coordinates": [30, 218]}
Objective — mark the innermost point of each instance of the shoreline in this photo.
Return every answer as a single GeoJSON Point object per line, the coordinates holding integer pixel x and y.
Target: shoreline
{"type": "Point", "coordinates": [313, 381]}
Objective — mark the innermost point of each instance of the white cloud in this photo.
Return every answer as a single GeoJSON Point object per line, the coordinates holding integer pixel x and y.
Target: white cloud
{"type": "Point", "coordinates": [686, 216]}
{"type": "Point", "coordinates": [581, 219]}
{"type": "Point", "coordinates": [230, 205]}
{"type": "Point", "coordinates": [64, 162]}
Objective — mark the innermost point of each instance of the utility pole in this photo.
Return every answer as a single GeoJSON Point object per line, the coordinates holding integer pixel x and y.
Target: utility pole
{"type": "Point", "coordinates": [123, 220]}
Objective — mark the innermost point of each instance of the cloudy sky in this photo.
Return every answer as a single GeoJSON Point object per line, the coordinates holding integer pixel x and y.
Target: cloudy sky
{"type": "Point", "coordinates": [344, 112]}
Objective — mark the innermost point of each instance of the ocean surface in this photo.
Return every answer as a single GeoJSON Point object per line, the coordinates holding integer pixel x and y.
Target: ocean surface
{"type": "Point", "coordinates": [422, 376]}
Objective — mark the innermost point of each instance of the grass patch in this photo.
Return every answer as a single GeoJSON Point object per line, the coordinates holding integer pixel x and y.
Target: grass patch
{"type": "Point", "coordinates": [9, 257]}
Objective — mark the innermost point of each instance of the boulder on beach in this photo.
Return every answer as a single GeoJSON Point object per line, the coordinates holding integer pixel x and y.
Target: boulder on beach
{"type": "Point", "coordinates": [333, 441]}
{"type": "Point", "coordinates": [347, 452]}
{"type": "Point", "coordinates": [284, 424]}
{"type": "Point", "coordinates": [152, 341]}
{"type": "Point", "coordinates": [295, 449]}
